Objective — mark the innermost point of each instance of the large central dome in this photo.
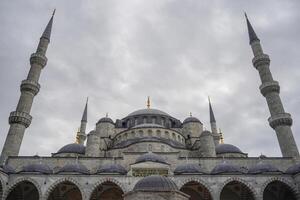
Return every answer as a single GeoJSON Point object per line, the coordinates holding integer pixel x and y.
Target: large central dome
{"type": "Point", "coordinates": [148, 111]}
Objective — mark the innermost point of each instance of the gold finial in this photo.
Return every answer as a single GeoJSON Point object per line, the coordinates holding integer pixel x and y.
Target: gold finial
{"type": "Point", "coordinates": [191, 114]}
{"type": "Point", "coordinates": [221, 137]}
{"type": "Point", "coordinates": [77, 136]}
{"type": "Point", "coordinates": [148, 102]}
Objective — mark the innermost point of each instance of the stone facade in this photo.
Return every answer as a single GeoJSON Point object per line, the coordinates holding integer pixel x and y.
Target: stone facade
{"type": "Point", "coordinates": [136, 157]}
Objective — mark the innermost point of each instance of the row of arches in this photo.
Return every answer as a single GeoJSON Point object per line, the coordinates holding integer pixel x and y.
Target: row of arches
{"type": "Point", "coordinates": [109, 190]}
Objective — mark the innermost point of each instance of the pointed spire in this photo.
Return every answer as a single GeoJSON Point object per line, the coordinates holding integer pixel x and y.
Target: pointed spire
{"type": "Point", "coordinates": [84, 116]}
{"type": "Point", "coordinates": [252, 35]}
{"type": "Point", "coordinates": [211, 112]}
{"type": "Point", "coordinates": [47, 31]}
{"type": "Point", "coordinates": [148, 102]}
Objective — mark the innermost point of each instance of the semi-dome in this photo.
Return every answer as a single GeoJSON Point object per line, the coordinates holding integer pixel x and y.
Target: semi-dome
{"type": "Point", "coordinates": [36, 168]}
{"type": "Point", "coordinates": [105, 120]}
{"type": "Point", "coordinates": [294, 169]}
{"type": "Point", "coordinates": [152, 157]}
{"type": "Point", "coordinates": [190, 168]}
{"type": "Point", "coordinates": [191, 119]}
{"type": "Point", "coordinates": [148, 126]}
{"type": "Point", "coordinates": [112, 169]}
{"type": "Point", "coordinates": [155, 183]}
{"type": "Point", "coordinates": [74, 168]}
{"type": "Point", "coordinates": [148, 111]}
{"type": "Point", "coordinates": [7, 169]}
{"type": "Point", "coordinates": [227, 148]}
{"type": "Point", "coordinates": [72, 148]}
{"type": "Point", "coordinates": [225, 168]}
{"type": "Point", "coordinates": [262, 167]}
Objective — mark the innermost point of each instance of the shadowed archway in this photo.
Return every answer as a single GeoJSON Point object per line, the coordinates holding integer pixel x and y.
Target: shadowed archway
{"type": "Point", "coordinates": [24, 190]}
{"type": "Point", "coordinates": [278, 190]}
{"type": "Point", "coordinates": [196, 191]}
{"type": "Point", "coordinates": [236, 190]}
{"type": "Point", "coordinates": [107, 191]}
{"type": "Point", "coordinates": [65, 191]}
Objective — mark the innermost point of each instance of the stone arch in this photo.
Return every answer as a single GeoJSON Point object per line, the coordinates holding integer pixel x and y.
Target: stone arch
{"type": "Point", "coordinates": [62, 180]}
{"type": "Point", "coordinates": [292, 186]}
{"type": "Point", "coordinates": [20, 180]}
{"type": "Point", "coordinates": [106, 180]}
{"type": "Point", "coordinates": [199, 181]}
{"type": "Point", "coordinates": [235, 179]}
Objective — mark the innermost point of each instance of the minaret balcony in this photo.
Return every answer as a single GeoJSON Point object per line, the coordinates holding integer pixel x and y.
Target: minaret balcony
{"type": "Point", "coordinates": [281, 119]}
{"type": "Point", "coordinates": [261, 60]}
{"type": "Point", "coordinates": [17, 117]}
{"type": "Point", "coordinates": [30, 86]}
{"type": "Point", "coordinates": [39, 59]}
{"type": "Point", "coordinates": [268, 87]}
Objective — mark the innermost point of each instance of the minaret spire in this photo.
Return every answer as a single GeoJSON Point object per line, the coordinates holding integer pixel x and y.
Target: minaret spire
{"type": "Point", "coordinates": [148, 102]}
{"type": "Point", "coordinates": [280, 121]}
{"type": "Point", "coordinates": [213, 124]}
{"type": "Point", "coordinates": [81, 135]}
{"type": "Point", "coordinates": [20, 119]}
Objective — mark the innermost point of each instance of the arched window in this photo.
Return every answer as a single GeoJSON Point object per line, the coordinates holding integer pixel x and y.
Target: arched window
{"type": "Point", "coordinates": [196, 191]}
{"type": "Point", "coordinates": [150, 133]}
{"type": "Point", "coordinates": [141, 134]}
{"type": "Point", "coordinates": [158, 133]}
{"type": "Point", "coordinates": [278, 190]}
{"type": "Point", "coordinates": [24, 190]}
{"type": "Point", "coordinates": [107, 190]}
{"type": "Point", "coordinates": [167, 134]}
{"type": "Point", "coordinates": [65, 190]}
{"type": "Point", "coordinates": [235, 190]}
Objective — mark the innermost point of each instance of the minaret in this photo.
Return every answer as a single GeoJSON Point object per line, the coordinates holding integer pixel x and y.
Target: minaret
{"type": "Point", "coordinates": [213, 124]}
{"type": "Point", "coordinates": [81, 136]}
{"type": "Point", "coordinates": [280, 121]}
{"type": "Point", "coordinates": [20, 119]}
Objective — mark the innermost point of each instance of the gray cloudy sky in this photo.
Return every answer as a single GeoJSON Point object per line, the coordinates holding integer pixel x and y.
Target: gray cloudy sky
{"type": "Point", "coordinates": [178, 52]}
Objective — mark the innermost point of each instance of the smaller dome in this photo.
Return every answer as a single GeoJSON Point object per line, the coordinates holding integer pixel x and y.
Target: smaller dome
{"type": "Point", "coordinates": [36, 168]}
{"type": "Point", "coordinates": [227, 148]}
{"type": "Point", "coordinates": [73, 168]}
{"type": "Point", "coordinates": [72, 148]}
{"type": "Point", "coordinates": [7, 169]}
{"type": "Point", "coordinates": [152, 157]}
{"type": "Point", "coordinates": [148, 126]}
{"type": "Point", "coordinates": [294, 169]}
{"type": "Point", "coordinates": [105, 120]}
{"type": "Point", "coordinates": [112, 169]}
{"type": "Point", "coordinates": [155, 183]}
{"type": "Point", "coordinates": [191, 119]}
{"type": "Point", "coordinates": [224, 168]}
{"type": "Point", "coordinates": [261, 168]}
{"type": "Point", "coordinates": [190, 168]}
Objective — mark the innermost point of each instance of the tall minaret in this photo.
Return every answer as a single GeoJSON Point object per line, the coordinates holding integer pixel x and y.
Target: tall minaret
{"type": "Point", "coordinates": [20, 119]}
{"type": "Point", "coordinates": [280, 121]}
{"type": "Point", "coordinates": [213, 124]}
{"type": "Point", "coordinates": [81, 136]}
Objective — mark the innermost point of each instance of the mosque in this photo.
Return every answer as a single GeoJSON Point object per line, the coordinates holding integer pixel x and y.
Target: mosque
{"type": "Point", "coordinates": [149, 154]}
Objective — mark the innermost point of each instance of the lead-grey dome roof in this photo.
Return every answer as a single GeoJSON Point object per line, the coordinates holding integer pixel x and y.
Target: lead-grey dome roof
{"type": "Point", "coordinates": [294, 169]}
{"type": "Point", "coordinates": [262, 167]}
{"type": "Point", "coordinates": [37, 168]}
{"type": "Point", "coordinates": [191, 119]}
{"type": "Point", "coordinates": [227, 148]}
{"type": "Point", "coordinates": [7, 169]}
{"type": "Point", "coordinates": [72, 148]}
{"type": "Point", "coordinates": [155, 183]}
{"type": "Point", "coordinates": [190, 168]}
{"type": "Point", "coordinates": [105, 120]}
{"type": "Point", "coordinates": [148, 111]}
{"type": "Point", "coordinates": [74, 168]}
{"type": "Point", "coordinates": [112, 169]}
{"type": "Point", "coordinates": [224, 168]}
{"type": "Point", "coordinates": [148, 126]}
{"type": "Point", "coordinates": [152, 157]}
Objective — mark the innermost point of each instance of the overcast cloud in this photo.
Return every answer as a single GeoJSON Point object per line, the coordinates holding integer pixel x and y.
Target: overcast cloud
{"type": "Point", "coordinates": [178, 52]}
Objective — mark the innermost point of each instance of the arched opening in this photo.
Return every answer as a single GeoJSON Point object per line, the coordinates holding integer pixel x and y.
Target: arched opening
{"type": "Point", "coordinates": [107, 191]}
{"type": "Point", "coordinates": [235, 190]}
{"type": "Point", "coordinates": [24, 190]}
{"type": "Point", "coordinates": [278, 190]}
{"type": "Point", "coordinates": [65, 190]}
{"type": "Point", "coordinates": [196, 191]}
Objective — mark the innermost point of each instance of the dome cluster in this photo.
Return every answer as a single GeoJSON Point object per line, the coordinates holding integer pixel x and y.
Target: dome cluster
{"type": "Point", "coordinates": [150, 157]}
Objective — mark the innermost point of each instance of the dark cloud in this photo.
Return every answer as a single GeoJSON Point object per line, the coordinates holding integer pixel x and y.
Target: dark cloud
{"type": "Point", "coordinates": [178, 52]}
